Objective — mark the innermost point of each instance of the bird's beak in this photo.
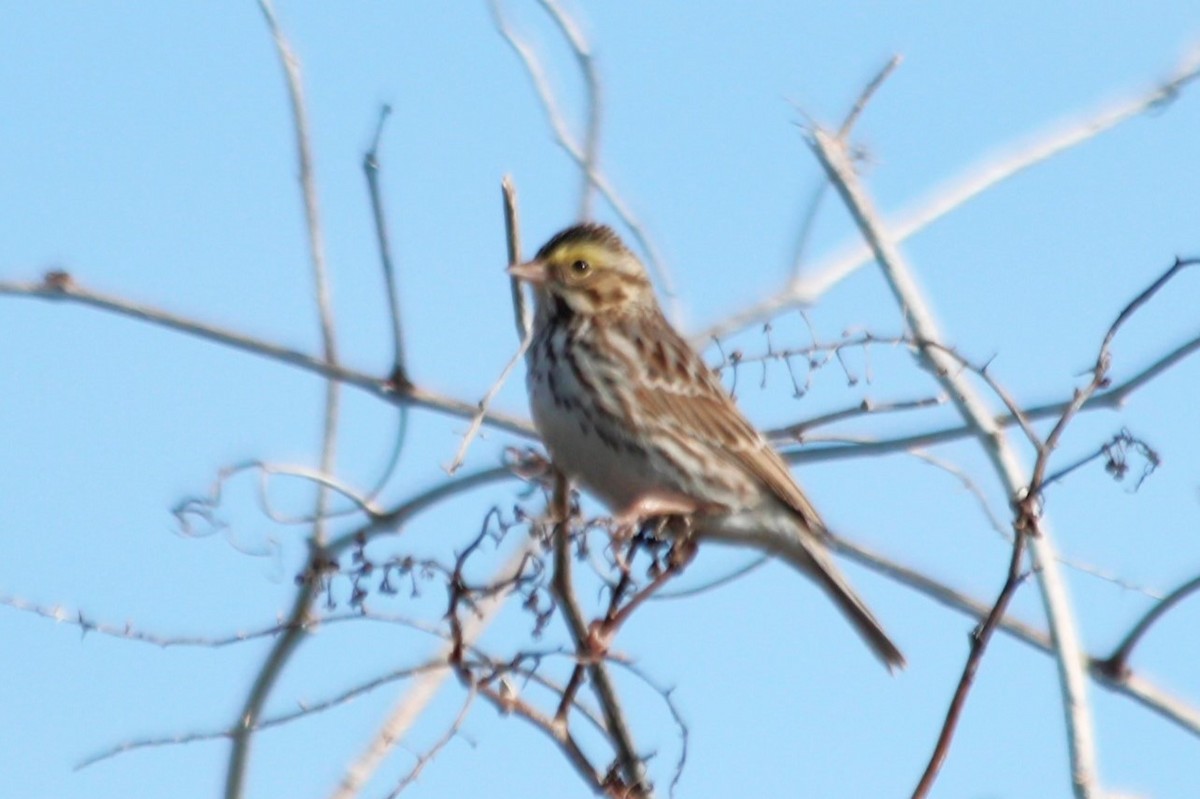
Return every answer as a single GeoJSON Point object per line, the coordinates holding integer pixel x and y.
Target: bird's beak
{"type": "Point", "coordinates": [532, 272]}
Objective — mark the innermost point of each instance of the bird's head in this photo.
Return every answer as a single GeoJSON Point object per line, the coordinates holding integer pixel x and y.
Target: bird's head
{"type": "Point", "coordinates": [588, 269]}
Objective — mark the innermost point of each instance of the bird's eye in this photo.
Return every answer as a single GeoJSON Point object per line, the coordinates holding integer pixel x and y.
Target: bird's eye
{"type": "Point", "coordinates": [580, 267]}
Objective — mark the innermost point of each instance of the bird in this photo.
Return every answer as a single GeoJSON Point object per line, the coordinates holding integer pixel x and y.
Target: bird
{"type": "Point", "coordinates": [630, 412]}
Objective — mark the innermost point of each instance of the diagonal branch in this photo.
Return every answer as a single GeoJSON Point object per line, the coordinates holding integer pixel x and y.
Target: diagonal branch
{"type": "Point", "coordinates": [61, 286]}
{"type": "Point", "coordinates": [1116, 665]}
{"type": "Point", "coordinates": [1132, 686]}
{"type": "Point", "coordinates": [969, 184]}
{"type": "Point", "coordinates": [834, 157]}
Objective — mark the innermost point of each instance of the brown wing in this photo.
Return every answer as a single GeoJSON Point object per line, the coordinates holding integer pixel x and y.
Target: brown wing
{"type": "Point", "coordinates": [681, 393]}
{"type": "Point", "coordinates": [684, 397]}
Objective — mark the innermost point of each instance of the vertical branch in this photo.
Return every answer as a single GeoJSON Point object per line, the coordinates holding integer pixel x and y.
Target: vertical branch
{"type": "Point", "coordinates": [371, 169]}
{"type": "Point", "coordinates": [522, 315]}
{"type": "Point", "coordinates": [633, 769]}
{"type": "Point", "coordinates": [286, 644]}
{"type": "Point", "coordinates": [834, 157]}
{"type": "Point", "coordinates": [316, 247]}
{"type": "Point", "coordinates": [399, 373]}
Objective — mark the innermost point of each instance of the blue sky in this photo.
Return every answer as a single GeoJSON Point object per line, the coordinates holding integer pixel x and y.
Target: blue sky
{"type": "Point", "coordinates": [149, 152]}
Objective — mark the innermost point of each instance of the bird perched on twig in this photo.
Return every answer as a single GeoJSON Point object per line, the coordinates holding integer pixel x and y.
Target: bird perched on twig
{"type": "Point", "coordinates": [629, 410]}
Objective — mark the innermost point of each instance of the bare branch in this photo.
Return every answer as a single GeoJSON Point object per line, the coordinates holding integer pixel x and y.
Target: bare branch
{"type": "Point", "coordinates": [967, 483]}
{"type": "Point", "coordinates": [565, 140]}
{"type": "Point", "coordinates": [867, 93]}
{"type": "Point", "coordinates": [807, 224]}
{"type": "Point", "coordinates": [205, 505]}
{"type": "Point", "coordinates": [399, 375]}
{"type": "Point", "coordinates": [1077, 713]}
{"type": "Point", "coordinates": [392, 520]}
{"type": "Point", "coordinates": [979, 641]}
{"type": "Point", "coordinates": [410, 706]}
{"type": "Point", "coordinates": [1116, 665]}
{"type": "Point", "coordinates": [726, 579]}
{"type": "Point", "coordinates": [248, 721]}
{"type": "Point", "coordinates": [58, 285]}
{"type": "Point", "coordinates": [286, 644]}
{"type": "Point", "coordinates": [868, 407]}
{"type": "Point", "coordinates": [306, 709]}
{"type": "Point", "coordinates": [522, 313]}
{"type": "Point", "coordinates": [383, 239]}
{"type": "Point", "coordinates": [631, 763]}
{"type": "Point", "coordinates": [1114, 397]}
{"type": "Point", "coordinates": [439, 744]}
{"type": "Point", "coordinates": [485, 403]}
{"type": "Point", "coordinates": [316, 247]}
{"type": "Point", "coordinates": [970, 183]}
{"type": "Point", "coordinates": [1132, 686]}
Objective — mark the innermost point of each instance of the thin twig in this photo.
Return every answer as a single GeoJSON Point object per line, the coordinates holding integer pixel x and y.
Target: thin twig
{"type": "Point", "coordinates": [399, 375]}
{"type": "Point", "coordinates": [249, 719]}
{"type": "Point", "coordinates": [388, 523]}
{"type": "Point", "coordinates": [557, 733]}
{"type": "Point", "coordinates": [1112, 398]}
{"type": "Point", "coordinates": [383, 239]}
{"type": "Point", "coordinates": [866, 94]}
{"type": "Point", "coordinates": [521, 316]}
{"type": "Point", "coordinates": [979, 641]}
{"type": "Point", "coordinates": [1144, 297]}
{"type": "Point", "coordinates": [807, 224]}
{"type": "Point", "coordinates": [505, 700]}
{"type": "Point", "coordinates": [287, 643]}
{"type": "Point", "coordinates": [725, 579]}
{"type": "Point", "coordinates": [967, 483]}
{"type": "Point", "coordinates": [1117, 664]}
{"type": "Point", "coordinates": [522, 313]}
{"type": "Point", "coordinates": [266, 470]}
{"type": "Point", "coordinates": [485, 403]}
{"type": "Point", "coordinates": [316, 247]}
{"type": "Point", "coordinates": [868, 407]}
{"type": "Point", "coordinates": [305, 710]}
{"type": "Point", "coordinates": [126, 631]}
{"type": "Point", "coordinates": [427, 757]}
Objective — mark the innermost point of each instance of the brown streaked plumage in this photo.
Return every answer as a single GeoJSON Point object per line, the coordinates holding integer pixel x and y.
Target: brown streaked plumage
{"type": "Point", "coordinates": [630, 411]}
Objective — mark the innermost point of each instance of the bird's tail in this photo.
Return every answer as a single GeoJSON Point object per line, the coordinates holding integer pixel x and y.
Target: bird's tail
{"type": "Point", "coordinates": [811, 558]}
